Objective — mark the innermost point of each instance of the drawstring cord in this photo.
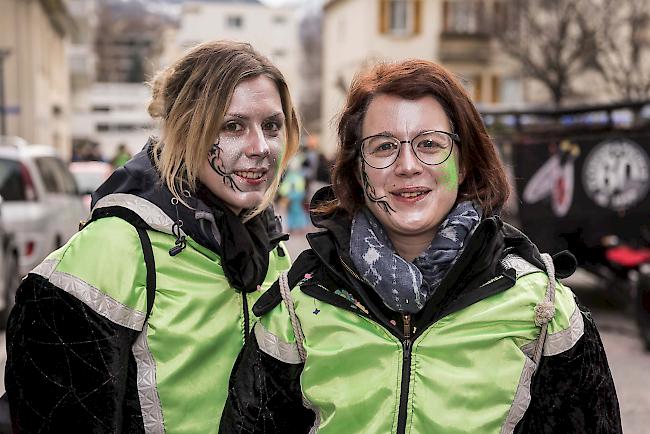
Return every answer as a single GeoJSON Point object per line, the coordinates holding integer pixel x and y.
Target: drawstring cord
{"type": "Point", "coordinates": [179, 243]}
{"type": "Point", "coordinates": [545, 310]}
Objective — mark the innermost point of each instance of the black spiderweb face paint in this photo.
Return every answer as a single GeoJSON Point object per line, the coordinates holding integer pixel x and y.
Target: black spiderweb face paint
{"type": "Point", "coordinates": [371, 194]}
{"type": "Point", "coordinates": [214, 158]}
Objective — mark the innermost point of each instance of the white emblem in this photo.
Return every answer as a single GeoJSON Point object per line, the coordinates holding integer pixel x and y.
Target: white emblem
{"type": "Point", "coordinates": [615, 174]}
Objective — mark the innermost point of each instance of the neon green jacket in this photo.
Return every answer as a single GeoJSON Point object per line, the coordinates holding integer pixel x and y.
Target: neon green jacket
{"type": "Point", "coordinates": [496, 350]}
{"type": "Point", "coordinates": [82, 355]}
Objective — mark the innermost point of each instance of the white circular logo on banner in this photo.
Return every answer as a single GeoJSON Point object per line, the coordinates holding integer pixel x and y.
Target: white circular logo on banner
{"type": "Point", "coordinates": [616, 175]}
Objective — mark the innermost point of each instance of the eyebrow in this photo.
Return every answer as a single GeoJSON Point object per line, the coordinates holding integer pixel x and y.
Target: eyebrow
{"type": "Point", "coordinates": [388, 133]}
{"type": "Point", "coordinates": [246, 117]}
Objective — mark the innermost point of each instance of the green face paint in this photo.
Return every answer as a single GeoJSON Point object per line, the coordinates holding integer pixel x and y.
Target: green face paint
{"type": "Point", "coordinates": [449, 173]}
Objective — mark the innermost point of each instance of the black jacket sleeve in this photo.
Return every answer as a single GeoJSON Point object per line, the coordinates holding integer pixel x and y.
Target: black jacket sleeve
{"type": "Point", "coordinates": [68, 369]}
{"type": "Point", "coordinates": [264, 395]}
{"type": "Point", "coordinates": [573, 392]}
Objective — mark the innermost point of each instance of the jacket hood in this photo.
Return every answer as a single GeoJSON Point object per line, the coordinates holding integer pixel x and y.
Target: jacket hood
{"type": "Point", "coordinates": [139, 177]}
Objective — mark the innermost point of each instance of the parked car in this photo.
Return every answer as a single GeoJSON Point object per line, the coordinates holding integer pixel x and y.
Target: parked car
{"type": "Point", "coordinates": [9, 275]}
{"type": "Point", "coordinates": [42, 206]}
{"type": "Point", "coordinates": [89, 175]}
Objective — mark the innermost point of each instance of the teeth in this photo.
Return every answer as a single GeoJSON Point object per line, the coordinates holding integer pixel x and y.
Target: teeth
{"type": "Point", "coordinates": [411, 194]}
{"type": "Point", "coordinates": [250, 175]}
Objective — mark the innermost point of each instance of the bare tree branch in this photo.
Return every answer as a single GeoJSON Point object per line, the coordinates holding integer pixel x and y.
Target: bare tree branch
{"type": "Point", "coordinates": [550, 41]}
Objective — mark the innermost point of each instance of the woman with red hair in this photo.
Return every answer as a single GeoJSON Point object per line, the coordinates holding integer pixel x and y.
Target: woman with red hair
{"type": "Point", "coordinates": [416, 309]}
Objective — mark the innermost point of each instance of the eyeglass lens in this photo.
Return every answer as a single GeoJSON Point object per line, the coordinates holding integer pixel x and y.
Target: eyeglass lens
{"type": "Point", "coordinates": [431, 148]}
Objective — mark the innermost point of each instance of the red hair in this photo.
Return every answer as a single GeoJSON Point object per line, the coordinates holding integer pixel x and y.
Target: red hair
{"type": "Point", "coordinates": [485, 180]}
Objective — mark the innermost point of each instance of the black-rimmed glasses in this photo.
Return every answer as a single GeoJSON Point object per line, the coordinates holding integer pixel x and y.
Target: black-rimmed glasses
{"type": "Point", "coordinates": [430, 147]}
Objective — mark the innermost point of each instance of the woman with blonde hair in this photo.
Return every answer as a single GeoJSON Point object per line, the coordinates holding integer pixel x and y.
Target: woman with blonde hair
{"type": "Point", "coordinates": [416, 309]}
{"type": "Point", "coordinates": [134, 324]}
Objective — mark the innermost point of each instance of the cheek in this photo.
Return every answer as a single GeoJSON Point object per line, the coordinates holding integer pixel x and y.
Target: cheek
{"type": "Point", "coordinates": [276, 152]}
{"type": "Point", "coordinates": [377, 178]}
{"type": "Point", "coordinates": [448, 176]}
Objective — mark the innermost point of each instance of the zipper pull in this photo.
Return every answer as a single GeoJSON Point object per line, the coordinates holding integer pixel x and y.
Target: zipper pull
{"type": "Point", "coordinates": [407, 325]}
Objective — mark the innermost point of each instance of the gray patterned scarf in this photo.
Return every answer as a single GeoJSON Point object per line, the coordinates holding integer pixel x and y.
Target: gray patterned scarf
{"type": "Point", "coordinates": [403, 286]}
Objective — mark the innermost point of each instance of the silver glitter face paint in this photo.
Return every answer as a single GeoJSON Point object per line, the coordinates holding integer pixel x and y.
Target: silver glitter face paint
{"type": "Point", "coordinates": [243, 161]}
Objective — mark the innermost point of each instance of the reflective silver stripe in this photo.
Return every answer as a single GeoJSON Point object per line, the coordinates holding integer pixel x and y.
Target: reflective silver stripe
{"type": "Point", "coordinates": [92, 297]}
{"type": "Point", "coordinates": [152, 415]}
{"type": "Point", "coordinates": [521, 266]}
{"type": "Point", "coordinates": [45, 268]}
{"type": "Point", "coordinates": [307, 404]}
{"type": "Point", "coordinates": [561, 341]}
{"type": "Point", "coordinates": [150, 213]}
{"type": "Point", "coordinates": [276, 347]}
{"type": "Point", "coordinates": [521, 400]}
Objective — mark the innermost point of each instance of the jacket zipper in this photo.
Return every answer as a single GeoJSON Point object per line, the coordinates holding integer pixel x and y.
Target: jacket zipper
{"type": "Point", "coordinates": [246, 318]}
{"type": "Point", "coordinates": [406, 375]}
{"type": "Point", "coordinates": [406, 364]}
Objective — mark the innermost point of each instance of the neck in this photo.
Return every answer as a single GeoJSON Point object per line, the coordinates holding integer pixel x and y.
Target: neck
{"type": "Point", "coordinates": [410, 247]}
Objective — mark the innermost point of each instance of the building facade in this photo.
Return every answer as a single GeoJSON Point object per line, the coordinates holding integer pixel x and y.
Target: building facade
{"type": "Point", "coordinates": [35, 74]}
{"type": "Point", "coordinates": [271, 30]}
{"type": "Point", "coordinates": [455, 33]}
{"type": "Point", "coordinates": [117, 114]}
{"type": "Point", "coordinates": [129, 41]}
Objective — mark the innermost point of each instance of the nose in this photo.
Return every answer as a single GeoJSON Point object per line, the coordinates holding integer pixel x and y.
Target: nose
{"type": "Point", "coordinates": [407, 163]}
{"type": "Point", "coordinates": [257, 146]}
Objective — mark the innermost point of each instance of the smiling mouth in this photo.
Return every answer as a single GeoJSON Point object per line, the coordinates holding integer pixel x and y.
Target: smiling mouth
{"type": "Point", "coordinates": [250, 174]}
{"type": "Point", "coordinates": [410, 194]}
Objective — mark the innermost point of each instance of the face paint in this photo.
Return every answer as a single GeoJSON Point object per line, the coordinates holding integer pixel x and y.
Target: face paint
{"type": "Point", "coordinates": [449, 174]}
{"type": "Point", "coordinates": [242, 164]}
{"type": "Point", "coordinates": [370, 191]}
{"type": "Point", "coordinates": [216, 163]}
{"type": "Point", "coordinates": [409, 198]}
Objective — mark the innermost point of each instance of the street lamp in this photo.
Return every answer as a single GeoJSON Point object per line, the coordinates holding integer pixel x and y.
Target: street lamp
{"type": "Point", "coordinates": [4, 52]}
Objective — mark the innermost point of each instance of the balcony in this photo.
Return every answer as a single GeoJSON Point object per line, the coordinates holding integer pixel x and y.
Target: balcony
{"type": "Point", "coordinates": [465, 47]}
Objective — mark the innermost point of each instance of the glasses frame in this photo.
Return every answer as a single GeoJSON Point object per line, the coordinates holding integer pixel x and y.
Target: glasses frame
{"type": "Point", "coordinates": [455, 138]}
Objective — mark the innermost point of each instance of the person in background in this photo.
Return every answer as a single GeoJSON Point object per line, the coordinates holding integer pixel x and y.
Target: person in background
{"type": "Point", "coordinates": [121, 156]}
{"type": "Point", "coordinates": [292, 192]}
{"type": "Point", "coordinates": [416, 309]}
{"type": "Point", "coordinates": [134, 324]}
{"type": "Point", "coordinates": [315, 167]}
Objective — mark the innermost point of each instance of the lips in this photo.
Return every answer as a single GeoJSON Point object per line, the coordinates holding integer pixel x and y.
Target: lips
{"type": "Point", "coordinates": [410, 194]}
{"type": "Point", "coordinates": [253, 177]}
{"type": "Point", "coordinates": [250, 174]}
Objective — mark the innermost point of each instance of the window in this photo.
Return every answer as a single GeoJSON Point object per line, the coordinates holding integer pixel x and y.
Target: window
{"type": "Point", "coordinates": [11, 181]}
{"type": "Point", "coordinates": [464, 16]}
{"type": "Point", "coordinates": [399, 17]}
{"type": "Point", "coordinates": [511, 90]}
{"type": "Point", "coordinates": [474, 86]}
{"type": "Point", "coordinates": [49, 174]}
{"type": "Point", "coordinates": [56, 178]}
{"type": "Point", "coordinates": [234, 21]}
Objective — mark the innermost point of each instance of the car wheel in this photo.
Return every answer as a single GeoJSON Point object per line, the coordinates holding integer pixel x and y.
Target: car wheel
{"type": "Point", "coordinates": [643, 305]}
{"type": "Point", "coordinates": [12, 281]}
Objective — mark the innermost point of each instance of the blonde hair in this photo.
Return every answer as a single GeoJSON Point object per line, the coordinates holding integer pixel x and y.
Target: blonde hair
{"type": "Point", "coordinates": [190, 98]}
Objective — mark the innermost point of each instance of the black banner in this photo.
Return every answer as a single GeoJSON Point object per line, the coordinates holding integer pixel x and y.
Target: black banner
{"type": "Point", "coordinates": [578, 188]}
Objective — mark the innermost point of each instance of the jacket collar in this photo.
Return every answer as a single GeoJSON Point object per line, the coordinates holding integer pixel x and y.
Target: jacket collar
{"type": "Point", "coordinates": [139, 177]}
